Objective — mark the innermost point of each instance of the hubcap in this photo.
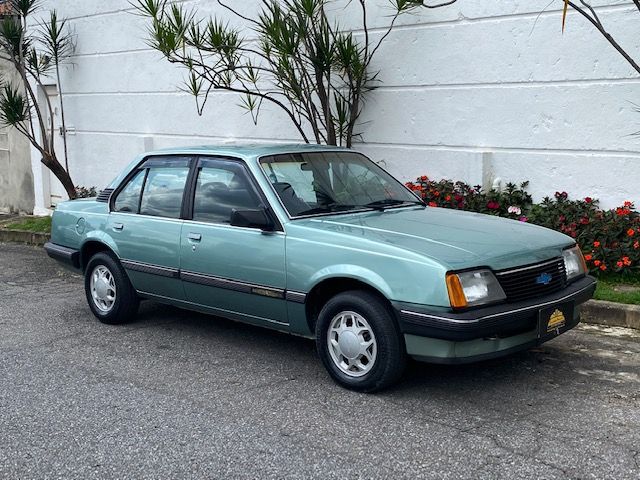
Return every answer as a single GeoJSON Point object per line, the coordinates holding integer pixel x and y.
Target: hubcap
{"type": "Point", "coordinates": [352, 344]}
{"type": "Point", "coordinates": [103, 288]}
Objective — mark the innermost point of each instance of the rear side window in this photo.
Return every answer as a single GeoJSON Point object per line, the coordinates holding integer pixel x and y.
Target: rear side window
{"type": "Point", "coordinates": [156, 189]}
{"type": "Point", "coordinates": [163, 190]}
{"type": "Point", "coordinates": [128, 200]}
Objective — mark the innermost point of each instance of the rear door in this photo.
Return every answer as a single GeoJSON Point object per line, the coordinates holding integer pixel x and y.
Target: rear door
{"type": "Point", "coordinates": [145, 223]}
{"type": "Point", "coordinates": [228, 268]}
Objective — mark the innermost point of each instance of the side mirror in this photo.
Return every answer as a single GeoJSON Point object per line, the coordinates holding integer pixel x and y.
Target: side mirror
{"type": "Point", "coordinates": [255, 218]}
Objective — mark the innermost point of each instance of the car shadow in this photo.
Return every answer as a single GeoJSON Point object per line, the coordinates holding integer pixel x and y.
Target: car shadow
{"type": "Point", "coordinates": [546, 364]}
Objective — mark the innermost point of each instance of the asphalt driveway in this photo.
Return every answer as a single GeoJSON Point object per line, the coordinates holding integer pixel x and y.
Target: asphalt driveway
{"type": "Point", "coordinates": [182, 395]}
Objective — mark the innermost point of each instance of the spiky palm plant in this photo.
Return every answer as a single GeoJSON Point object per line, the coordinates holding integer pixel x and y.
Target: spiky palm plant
{"type": "Point", "coordinates": [302, 61]}
{"type": "Point", "coordinates": [35, 55]}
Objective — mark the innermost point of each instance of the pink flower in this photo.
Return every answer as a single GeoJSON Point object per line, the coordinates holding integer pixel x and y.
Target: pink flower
{"type": "Point", "coordinates": [514, 209]}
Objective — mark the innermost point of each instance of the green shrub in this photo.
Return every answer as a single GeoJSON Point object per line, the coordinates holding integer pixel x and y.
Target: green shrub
{"type": "Point", "coordinates": [86, 192]}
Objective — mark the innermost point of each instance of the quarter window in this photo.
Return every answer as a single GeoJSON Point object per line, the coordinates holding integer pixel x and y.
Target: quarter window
{"type": "Point", "coordinates": [128, 199]}
{"type": "Point", "coordinates": [222, 187]}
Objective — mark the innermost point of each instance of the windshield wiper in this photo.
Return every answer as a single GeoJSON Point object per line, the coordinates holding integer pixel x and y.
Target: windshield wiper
{"type": "Point", "coordinates": [329, 208]}
{"type": "Point", "coordinates": [391, 202]}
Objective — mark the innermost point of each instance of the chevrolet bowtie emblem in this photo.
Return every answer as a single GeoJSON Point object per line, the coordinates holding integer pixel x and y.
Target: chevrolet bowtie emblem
{"type": "Point", "coordinates": [544, 279]}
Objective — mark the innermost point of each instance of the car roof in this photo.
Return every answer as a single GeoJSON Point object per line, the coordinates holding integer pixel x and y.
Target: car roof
{"type": "Point", "coordinates": [245, 150]}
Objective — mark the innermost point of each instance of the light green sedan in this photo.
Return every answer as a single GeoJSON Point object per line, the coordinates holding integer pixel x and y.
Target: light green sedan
{"type": "Point", "coordinates": [320, 242]}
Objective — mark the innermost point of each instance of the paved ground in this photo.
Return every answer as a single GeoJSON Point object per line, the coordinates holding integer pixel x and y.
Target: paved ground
{"type": "Point", "coordinates": [182, 395]}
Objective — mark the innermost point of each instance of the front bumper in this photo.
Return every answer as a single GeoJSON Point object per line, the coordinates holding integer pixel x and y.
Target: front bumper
{"type": "Point", "coordinates": [476, 334]}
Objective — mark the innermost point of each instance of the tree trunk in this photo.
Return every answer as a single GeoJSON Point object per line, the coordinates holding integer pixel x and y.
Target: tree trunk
{"type": "Point", "coordinates": [61, 174]}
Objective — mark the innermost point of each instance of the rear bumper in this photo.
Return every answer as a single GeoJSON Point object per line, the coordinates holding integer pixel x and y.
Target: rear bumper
{"type": "Point", "coordinates": [452, 337]}
{"type": "Point", "coordinates": [68, 256]}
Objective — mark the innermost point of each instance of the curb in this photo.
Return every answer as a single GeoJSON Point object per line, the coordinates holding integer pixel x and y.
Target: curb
{"type": "Point", "coordinates": [23, 236]}
{"type": "Point", "coordinates": [611, 314]}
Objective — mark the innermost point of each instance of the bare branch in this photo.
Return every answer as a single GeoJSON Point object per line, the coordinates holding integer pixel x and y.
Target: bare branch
{"type": "Point", "coordinates": [596, 23]}
{"type": "Point", "coordinates": [440, 5]}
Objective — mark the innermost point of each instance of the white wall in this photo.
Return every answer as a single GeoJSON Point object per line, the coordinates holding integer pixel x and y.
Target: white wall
{"type": "Point", "coordinates": [477, 87]}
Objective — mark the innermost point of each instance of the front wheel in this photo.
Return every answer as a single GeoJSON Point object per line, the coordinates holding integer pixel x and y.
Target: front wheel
{"type": "Point", "coordinates": [110, 295]}
{"type": "Point", "coordinates": [359, 342]}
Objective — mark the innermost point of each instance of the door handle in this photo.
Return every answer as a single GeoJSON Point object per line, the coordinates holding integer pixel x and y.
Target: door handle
{"type": "Point", "coordinates": [194, 237]}
{"type": "Point", "coordinates": [118, 226]}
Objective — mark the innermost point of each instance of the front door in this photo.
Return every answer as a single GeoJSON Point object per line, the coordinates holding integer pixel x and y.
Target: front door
{"type": "Point", "coordinates": [226, 268]}
{"type": "Point", "coordinates": [145, 223]}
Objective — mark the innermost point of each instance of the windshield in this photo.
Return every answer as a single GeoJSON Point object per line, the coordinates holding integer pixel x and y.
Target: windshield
{"type": "Point", "coordinates": [328, 182]}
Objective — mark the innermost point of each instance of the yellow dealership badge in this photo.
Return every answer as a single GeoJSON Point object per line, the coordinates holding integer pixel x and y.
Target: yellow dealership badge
{"type": "Point", "coordinates": [556, 320]}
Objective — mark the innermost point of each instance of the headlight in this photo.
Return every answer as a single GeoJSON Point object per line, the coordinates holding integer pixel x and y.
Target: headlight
{"type": "Point", "coordinates": [477, 287]}
{"type": "Point", "coordinates": [574, 263]}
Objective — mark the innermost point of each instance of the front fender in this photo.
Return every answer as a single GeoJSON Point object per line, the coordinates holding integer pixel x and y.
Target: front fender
{"type": "Point", "coordinates": [354, 272]}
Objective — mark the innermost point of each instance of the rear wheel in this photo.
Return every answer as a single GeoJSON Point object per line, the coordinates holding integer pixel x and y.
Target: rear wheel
{"type": "Point", "coordinates": [109, 292]}
{"type": "Point", "coordinates": [359, 343]}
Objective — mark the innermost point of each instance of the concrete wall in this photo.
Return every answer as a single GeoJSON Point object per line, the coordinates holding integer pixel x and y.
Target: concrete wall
{"type": "Point", "coordinates": [16, 178]}
{"type": "Point", "coordinates": [476, 90]}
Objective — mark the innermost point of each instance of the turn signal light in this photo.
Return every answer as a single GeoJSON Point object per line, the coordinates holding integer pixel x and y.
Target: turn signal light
{"type": "Point", "coordinates": [456, 292]}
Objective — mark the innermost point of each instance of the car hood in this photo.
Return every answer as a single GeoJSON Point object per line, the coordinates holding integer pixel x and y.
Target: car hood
{"type": "Point", "coordinates": [452, 238]}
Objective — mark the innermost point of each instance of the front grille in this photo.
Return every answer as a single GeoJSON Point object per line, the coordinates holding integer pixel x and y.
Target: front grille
{"type": "Point", "coordinates": [531, 281]}
{"type": "Point", "coordinates": [104, 195]}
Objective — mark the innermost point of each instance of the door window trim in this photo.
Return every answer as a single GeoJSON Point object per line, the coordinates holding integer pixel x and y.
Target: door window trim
{"type": "Point", "coordinates": [186, 211]}
{"type": "Point", "coordinates": [255, 187]}
{"type": "Point", "coordinates": [145, 164]}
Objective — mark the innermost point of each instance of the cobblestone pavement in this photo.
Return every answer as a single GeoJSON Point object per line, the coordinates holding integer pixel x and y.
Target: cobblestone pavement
{"type": "Point", "coordinates": [183, 395]}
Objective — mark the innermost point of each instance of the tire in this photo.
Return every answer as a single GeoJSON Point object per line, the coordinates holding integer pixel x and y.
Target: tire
{"type": "Point", "coordinates": [110, 295]}
{"type": "Point", "coordinates": [371, 355]}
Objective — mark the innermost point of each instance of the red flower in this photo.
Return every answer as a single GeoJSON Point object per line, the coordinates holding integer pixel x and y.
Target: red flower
{"type": "Point", "coordinates": [448, 198]}
{"type": "Point", "coordinates": [603, 267]}
{"type": "Point", "coordinates": [424, 178]}
{"type": "Point", "coordinates": [584, 221]}
{"type": "Point", "coordinates": [597, 263]}
{"type": "Point", "coordinates": [493, 205]}
{"type": "Point", "coordinates": [588, 199]}
{"type": "Point", "coordinates": [433, 204]}
{"type": "Point", "coordinates": [436, 193]}
{"type": "Point", "coordinates": [628, 204]}
{"type": "Point", "coordinates": [622, 211]}
{"type": "Point", "coordinates": [596, 244]}
{"type": "Point", "coordinates": [626, 261]}
{"type": "Point", "coordinates": [631, 232]}
{"type": "Point", "coordinates": [619, 264]}
{"type": "Point", "coordinates": [636, 244]}
{"type": "Point", "coordinates": [562, 195]}
{"type": "Point", "coordinates": [588, 257]}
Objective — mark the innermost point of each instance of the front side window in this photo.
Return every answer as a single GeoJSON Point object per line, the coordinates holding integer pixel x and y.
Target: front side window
{"type": "Point", "coordinates": [222, 186]}
{"type": "Point", "coordinates": [326, 182]}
